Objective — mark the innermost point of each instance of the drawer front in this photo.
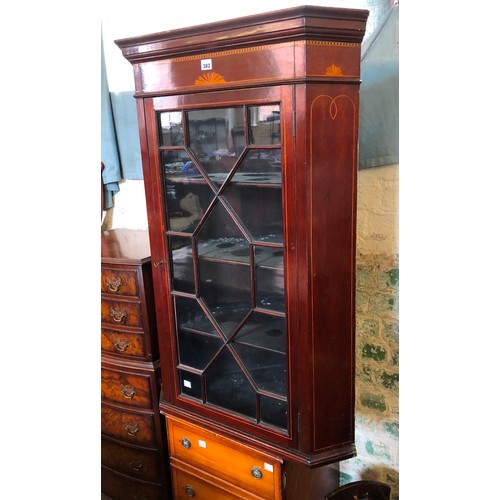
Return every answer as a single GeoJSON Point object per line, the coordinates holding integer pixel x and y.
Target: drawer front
{"type": "Point", "coordinates": [116, 486]}
{"type": "Point", "coordinates": [126, 388]}
{"type": "Point", "coordinates": [121, 313]}
{"type": "Point", "coordinates": [119, 282]}
{"type": "Point", "coordinates": [244, 467]}
{"type": "Point", "coordinates": [129, 427]}
{"type": "Point", "coordinates": [123, 343]}
{"type": "Point", "coordinates": [185, 485]}
{"type": "Point", "coordinates": [141, 464]}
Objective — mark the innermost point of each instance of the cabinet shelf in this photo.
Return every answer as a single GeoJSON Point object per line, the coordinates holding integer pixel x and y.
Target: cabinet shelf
{"type": "Point", "coordinates": [238, 252]}
{"type": "Point", "coordinates": [255, 180]}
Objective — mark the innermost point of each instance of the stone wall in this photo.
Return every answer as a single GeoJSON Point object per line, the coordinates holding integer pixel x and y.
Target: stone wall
{"type": "Point", "coordinates": [377, 331]}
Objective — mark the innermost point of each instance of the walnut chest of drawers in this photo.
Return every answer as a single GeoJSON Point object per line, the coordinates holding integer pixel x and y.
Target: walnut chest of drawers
{"type": "Point", "coordinates": [133, 444]}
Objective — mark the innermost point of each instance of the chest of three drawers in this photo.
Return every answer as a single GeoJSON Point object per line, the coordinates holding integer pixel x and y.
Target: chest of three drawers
{"type": "Point", "coordinates": [133, 443]}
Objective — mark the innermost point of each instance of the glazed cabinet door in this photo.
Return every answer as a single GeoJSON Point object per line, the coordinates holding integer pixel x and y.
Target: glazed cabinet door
{"type": "Point", "coordinates": [220, 168]}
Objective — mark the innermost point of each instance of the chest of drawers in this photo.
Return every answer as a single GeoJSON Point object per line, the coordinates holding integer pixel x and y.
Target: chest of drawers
{"type": "Point", "coordinates": [133, 441]}
{"type": "Point", "coordinates": [206, 465]}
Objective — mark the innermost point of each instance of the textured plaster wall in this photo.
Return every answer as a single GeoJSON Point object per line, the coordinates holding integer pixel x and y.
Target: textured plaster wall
{"type": "Point", "coordinates": [377, 332]}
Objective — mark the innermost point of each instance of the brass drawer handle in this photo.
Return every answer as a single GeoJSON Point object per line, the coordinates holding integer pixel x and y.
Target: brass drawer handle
{"type": "Point", "coordinates": [114, 283]}
{"type": "Point", "coordinates": [132, 428]}
{"type": "Point", "coordinates": [128, 391]}
{"type": "Point", "coordinates": [118, 314]}
{"type": "Point", "coordinates": [121, 344]}
{"type": "Point", "coordinates": [186, 443]}
{"type": "Point", "coordinates": [137, 466]}
{"type": "Point", "coordinates": [189, 491]}
{"type": "Point", "coordinates": [256, 473]}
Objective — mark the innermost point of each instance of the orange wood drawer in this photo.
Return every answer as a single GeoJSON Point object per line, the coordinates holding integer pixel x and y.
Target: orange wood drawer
{"type": "Point", "coordinates": [129, 427]}
{"type": "Point", "coordinates": [191, 484]}
{"type": "Point", "coordinates": [124, 313]}
{"type": "Point", "coordinates": [141, 464]}
{"type": "Point", "coordinates": [119, 487]}
{"type": "Point", "coordinates": [229, 460]}
{"type": "Point", "coordinates": [123, 343]}
{"type": "Point", "coordinates": [119, 282]}
{"type": "Point", "coordinates": [126, 388]}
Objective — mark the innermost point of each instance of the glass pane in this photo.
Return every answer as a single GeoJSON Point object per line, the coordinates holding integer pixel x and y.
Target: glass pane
{"type": "Point", "coordinates": [187, 193]}
{"type": "Point", "coordinates": [226, 248]}
{"type": "Point", "coordinates": [197, 350]}
{"type": "Point", "coordinates": [182, 264]}
{"type": "Point", "coordinates": [265, 125]}
{"type": "Point", "coordinates": [228, 352]}
{"type": "Point", "coordinates": [257, 197]}
{"type": "Point", "coordinates": [225, 288]}
{"type": "Point", "coordinates": [269, 279]}
{"type": "Point", "coordinates": [190, 384]}
{"type": "Point", "coordinates": [263, 330]}
{"type": "Point", "coordinates": [267, 368]}
{"type": "Point", "coordinates": [260, 167]}
{"type": "Point", "coordinates": [224, 269]}
{"type": "Point", "coordinates": [216, 138]}
{"type": "Point", "coordinates": [171, 129]}
{"type": "Point", "coordinates": [190, 316]}
{"type": "Point", "coordinates": [228, 387]}
{"type": "Point", "coordinates": [274, 412]}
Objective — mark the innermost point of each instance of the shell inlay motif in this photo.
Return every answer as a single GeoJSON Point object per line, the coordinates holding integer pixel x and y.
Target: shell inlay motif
{"type": "Point", "coordinates": [334, 71]}
{"type": "Point", "coordinates": [210, 78]}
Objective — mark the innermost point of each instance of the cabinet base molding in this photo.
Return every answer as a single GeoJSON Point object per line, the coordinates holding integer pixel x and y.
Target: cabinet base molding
{"type": "Point", "coordinates": [318, 460]}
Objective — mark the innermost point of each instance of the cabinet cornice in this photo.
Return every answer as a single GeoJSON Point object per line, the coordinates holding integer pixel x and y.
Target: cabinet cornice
{"type": "Point", "coordinates": [287, 25]}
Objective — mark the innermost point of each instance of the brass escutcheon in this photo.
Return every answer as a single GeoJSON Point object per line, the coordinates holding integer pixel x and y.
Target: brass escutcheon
{"type": "Point", "coordinates": [118, 314]}
{"type": "Point", "coordinates": [128, 391]}
{"type": "Point", "coordinates": [132, 428]}
{"type": "Point", "coordinates": [137, 466]}
{"type": "Point", "coordinates": [121, 344]}
{"type": "Point", "coordinates": [114, 283]}
{"type": "Point", "coordinates": [189, 491]}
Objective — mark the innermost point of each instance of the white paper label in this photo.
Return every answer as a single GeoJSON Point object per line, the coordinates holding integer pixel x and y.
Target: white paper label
{"type": "Point", "coordinates": [201, 443]}
{"type": "Point", "coordinates": [187, 384]}
{"type": "Point", "coordinates": [206, 64]}
{"type": "Point", "coordinates": [268, 467]}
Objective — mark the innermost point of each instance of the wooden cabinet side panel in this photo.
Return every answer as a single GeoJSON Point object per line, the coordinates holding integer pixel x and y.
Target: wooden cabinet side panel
{"type": "Point", "coordinates": [150, 324]}
{"type": "Point", "coordinates": [303, 482]}
{"type": "Point", "coordinates": [332, 148]}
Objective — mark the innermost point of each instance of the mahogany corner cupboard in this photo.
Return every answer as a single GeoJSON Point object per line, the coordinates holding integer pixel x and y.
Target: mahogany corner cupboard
{"type": "Point", "coordinates": [249, 136]}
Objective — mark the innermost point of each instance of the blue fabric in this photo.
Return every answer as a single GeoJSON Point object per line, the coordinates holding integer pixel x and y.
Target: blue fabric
{"type": "Point", "coordinates": [110, 158]}
{"type": "Point", "coordinates": [379, 96]}
{"type": "Point", "coordinates": [127, 132]}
